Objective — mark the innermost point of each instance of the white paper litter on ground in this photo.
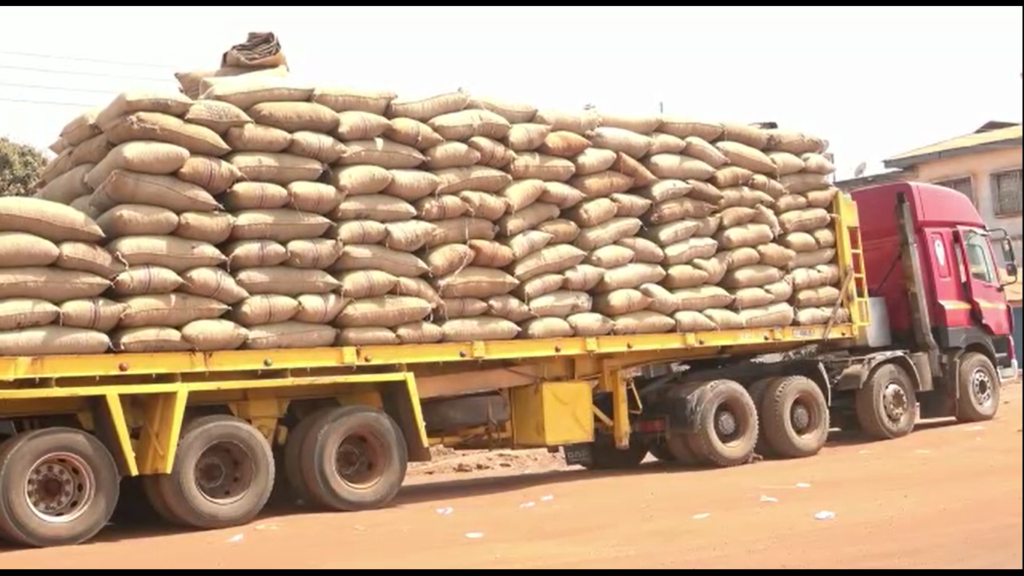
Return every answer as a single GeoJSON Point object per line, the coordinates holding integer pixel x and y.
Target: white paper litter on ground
{"type": "Point", "coordinates": [268, 526]}
{"type": "Point", "coordinates": [527, 504]}
{"type": "Point", "coordinates": [701, 516]}
{"type": "Point", "coordinates": [923, 451]}
{"type": "Point", "coordinates": [235, 539]}
{"type": "Point", "coordinates": [769, 499]}
{"type": "Point", "coordinates": [803, 485]}
{"type": "Point", "coordinates": [975, 428]}
{"type": "Point", "coordinates": [825, 515]}
{"type": "Point", "coordinates": [446, 511]}
{"type": "Point", "coordinates": [547, 498]}
{"type": "Point", "coordinates": [474, 535]}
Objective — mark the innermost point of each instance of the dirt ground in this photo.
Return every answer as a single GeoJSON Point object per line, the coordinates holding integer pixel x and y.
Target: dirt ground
{"type": "Point", "coordinates": [949, 496]}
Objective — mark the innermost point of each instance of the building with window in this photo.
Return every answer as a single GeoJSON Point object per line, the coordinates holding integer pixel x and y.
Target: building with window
{"type": "Point", "coordinates": [985, 166]}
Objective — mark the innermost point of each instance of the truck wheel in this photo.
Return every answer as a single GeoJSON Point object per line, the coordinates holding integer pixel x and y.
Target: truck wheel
{"type": "Point", "coordinates": [605, 456]}
{"type": "Point", "coordinates": [887, 404]}
{"type": "Point", "coordinates": [681, 448]}
{"type": "Point", "coordinates": [293, 459]}
{"type": "Point", "coordinates": [151, 486]}
{"type": "Point", "coordinates": [980, 390]}
{"type": "Point", "coordinates": [795, 419]}
{"type": "Point", "coordinates": [661, 452]}
{"type": "Point", "coordinates": [223, 474]}
{"type": "Point", "coordinates": [354, 458]}
{"type": "Point", "coordinates": [757, 394]}
{"type": "Point", "coordinates": [727, 425]}
{"type": "Point", "coordinates": [58, 487]}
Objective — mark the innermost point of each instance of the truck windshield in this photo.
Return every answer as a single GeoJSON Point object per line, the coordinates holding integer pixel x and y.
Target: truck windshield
{"type": "Point", "coordinates": [979, 257]}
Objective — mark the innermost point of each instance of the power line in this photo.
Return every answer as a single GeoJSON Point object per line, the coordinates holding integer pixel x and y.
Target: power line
{"type": "Point", "coordinates": [48, 102]}
{"type": "Point", "coordinates": [79, 59]}
{"type": "Point", "coordinates": [77, 73]}
{"type": "Point", "coordinates": [40, 87]}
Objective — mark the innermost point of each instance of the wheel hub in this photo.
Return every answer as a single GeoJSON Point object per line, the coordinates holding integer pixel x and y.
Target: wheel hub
{"type": "Point", "coordinates": [223, 472]}
{"type": "Point", "coordinates": [981, 387]}
{"type": "Point", "coordinates": [894, 401]}
{"type": "Point", "coordinates": [800, 417]}
{"type": "Point", "coordinates": [60, 487]}
{"type": "Point", "coordinates": [357, 461]}
{"type": "Point", "coordinates": [725, 423]}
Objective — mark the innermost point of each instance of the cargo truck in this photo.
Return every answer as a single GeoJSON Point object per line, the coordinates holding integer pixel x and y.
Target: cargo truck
{"type": "Point", "coordinates": [923, 330]}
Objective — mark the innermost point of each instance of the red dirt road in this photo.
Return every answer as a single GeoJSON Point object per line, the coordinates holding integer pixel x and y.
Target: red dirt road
{"type": "Point", "coordinates": [949, 496]}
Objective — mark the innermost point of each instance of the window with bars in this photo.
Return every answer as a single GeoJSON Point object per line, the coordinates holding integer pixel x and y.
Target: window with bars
{"type": "Point", "coordinates": [1006, 195]}
{"type": "Point", "coordinates": [963, 185]}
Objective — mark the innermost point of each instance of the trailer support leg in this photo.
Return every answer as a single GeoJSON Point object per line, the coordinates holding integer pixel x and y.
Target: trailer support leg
{"type": "Point", "coordinates": [616, 384]}
{"type": "Point", "coordinates": [158, 440]}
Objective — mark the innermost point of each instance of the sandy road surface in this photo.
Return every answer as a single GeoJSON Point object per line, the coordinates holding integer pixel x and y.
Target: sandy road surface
{"type": "Point", "coordinates": [948, 496]}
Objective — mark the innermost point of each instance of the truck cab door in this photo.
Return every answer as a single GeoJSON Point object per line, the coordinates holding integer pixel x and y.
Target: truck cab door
{"type": "Point", "coordinates": [982, 281]}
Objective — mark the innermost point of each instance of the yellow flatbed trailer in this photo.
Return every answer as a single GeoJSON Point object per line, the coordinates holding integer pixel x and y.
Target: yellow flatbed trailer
{"type": "Point", "coordinates": [210, 434]}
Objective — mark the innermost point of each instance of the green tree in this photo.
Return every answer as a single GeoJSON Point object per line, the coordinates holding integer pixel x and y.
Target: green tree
{"type": "Point", "coordinates": [20, 166]}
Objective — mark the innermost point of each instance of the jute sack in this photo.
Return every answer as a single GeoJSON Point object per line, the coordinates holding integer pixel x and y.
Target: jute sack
{"type": "Point", "coordinates": [424, 109]}
{"type": "Point", "coordinates": [607, 233]}
{"type": "Point", "coordinates": [371, 257]}
{"type": "Point", "coordinates": [17, 313]}
{"type": "Point", "coordinates": [357, 284]}
{"type": "Point", "coordinates": [785, 163]}
{"type": "Point", "coordinates": [771, 316]}
{"type": "Point", "coordinates": [169, 310]}
{"type": "Point", "coordinates": [621, 301]}
{"type": "Point", "coordinates": [290, 335]}
{"type": "Point", "coordinates": [411, 185]}
{"type": "Point", "coordinates": [546, 328]}
{"type": "Point", "coordinates": [724, 319]}
{"type": "Point", "coordinates": [528, 242]}
{"type": "Point", "coordinates": [342, 99]}
{"type": "Point", "coordinates": [213, 283]}
{"type": "Point", "coordinates": [824, 275]}
{"type": "Point", "coordinates": [678, 209]}
{"type": "Point", "coordinates": [813, 258]}
{"type": "Point", "coordinates": [678, 166]}
{"type": "Point", "coordinates": [89, 258]}
{"type": "Point", "coordinates": [493, 154]}
{"type": "Point", "coordinates": [124, 187]}
{"type": "Point", "coordinates": [447, 258]}
{"type": "Point", "coordinates": [386, 311]}
{"type": "Point", "coordinates": [666, 144]}
{"type": "Point", "coordinates": [700, 149]}
{"type": "Point", "coordinates": [419, 333]}
{"type": "Point", "coordinates": [564, 144]}
{"type": "Point", "coordinates": [737, 215]}
{"type": "Point", "coordinates": [254, 253]}
{"type": "Point", "coordinates": [804, 182]}
{"type": "Point", "coordinates": [744, 235]}
{"type": "Point", "coordinates": [368, 336]}
{"type": "Point", "coordinates": [825, 237]}
{"type": "Point", "coordinates": [728, 176]}
{"type": "Point", "coordinates": [358, 232]}
{"type": "Point", "coordinates": [747, 157]}
{"type": "Point", "coordinates": [590, 213]}
{"type": "Point", "coordinates": [281, 225]}
{"type": "Point", "coordinates": [418, 288]}
{"type": "Point", "coordinates": [541, 166]}
{"type": "Point", "coordinates": [256, 138]}
{"type": "Point", "coordinates": [164, 128]}
{"type": "Point", "coordinates": [685, 251]}
{"type": "Point", "coordinates": [777, 256]}
{"type": "Point", "coordinates": [21, 250]}
{"type": "Point", "coordinates": [80, 128]}
{"type": "Point", "coordinates": [379, 208]}
{"type": "Point", "coordinates": [319, 147]}
{"type": "Point", "coordinates": [512, 111]}
{"type": "Point", "coordinates": [562, 195]}
{"type": "Point", "coordinates": [479, 329]}
{"type": "Point", "coordinates": [275, 168]}
{"type": "Point", "coordinates": [712, 267]}
{"type": "Point", "coordinates": [250, 89]}
{"type": "Point", "coordinates": [821, 316]}
{"type": "Point", "coordinates": [255, 196]}
{"type": "Point", "coordinates": [264, 309]}
{"type": "Point", "coordinates": [92, 151]}
{"type": "Point", "coordinates": [315, 253]}
{"type": "Point", "coordinates": [148, 340]}
{"type": "Point", "coordinates": [821, 198]}
{"type": "Point", "coordinates": [53, 340]}
{"type": "Point", "coordinates": [738, 257]}
{"type": "Point", "coordinates": [527, 218]}
{"type": "Point", "coordinates": [563, 231]}
{"type": "Point", "coordinates": [479, 178]}
{"type": "Point", "coordinates": [793, 142]}
{"type": "Point", "coordinates": [212, 227]}
{"type": "Point", "coordinates": [589, 324]}
{"type": "Point", "coordinates": [790, 203]}
{"type": "Point", "coordinates": [215, 334]}
{"type": "Point", "coordinates": [126, 103]}
{"type": "Point", "coordinates": [212, 174]}
{"type": "Point", "coordinates": [638, 124]}
{"type": "Point", "coordinates": [593, 160]}
{"type": "Point", "coordinates": [475, 282]}
{"type": "Point", "coordinates": [630, 206]}
{"type": "Point", "coordinates": [780, 291]}
{"type": "Point", "coordinates": [67, 187]}
{"type": "Point", "coordinates": [294, 116]}
{"type": "Point", "coordinates": [509, 308]}
{"type": "Point", "coordinates": [753, 136]}
{"type": "Point", "coordinates": [747, 298]}
{"type": "Point", "coordinates": [577, 123]}
{"type": "Point", "coordinates": [684, 127]}
{"type": "Point", "coordinates": [821, 297]}
{"type": "Point", "coordinates": [450, 155]}
{"type": "Point", "coordinates": [286, 281]}
{"type": "Point", "coordinates": [50, 220]}
{"type": "Point", "coordinates": [491, 254]}
{"type": "Point", "coordinates": [452, 308]}
{"type": "Point", "coordinates": [643, 322]}
{"type": "Point", "coordinates": [610, 256]}
{"type": "Point", "coordinates": [137, 220]}
{"type": "Point", "coordinates": [630, 276]}
{"type": "Point", "coordinates": [465, 124]}
{"type": "Point", "coordinates": [644, 249]}
{"type": "Point", "coordinates": [539, 286]}
{"type": "Point", "coordinates": [146, 279]}
{"type": "Point", "coordinates": [440, 207]}
{"type": "Point", "coordinates": [662, 300]}
{"type": "Point", "coordinates": [804, 220]}
{"type": "Point", "coordinates": [684, 276]}
{"type": "Point", "coordinates": [691, 321]}
{"type": "Point", "coordinates": [413, 133]}
{"type": "Point", "coordinates": [171, 252]}
{"type": "Point", "coordinates": [360, 180]}
{"type": "Point", "coordinates": [217, 116]}
{"type": "Point", "coordinates": [357, 125]}
{"type": "Point", "coordinates": [561, 303]}
{"type": "Point", "coordinates": [98, 314]}
{"type": "Point", "coordinates": [50, 284]}
{"type": "Point", "coordinates": [145, 157]}
{"type": "Point", "coordinates": [381, 152]}
{"type": "Point", "coordinates": [521, 193]}
{"type": "Point", "coordinates": [668, 234]}
{"type": "Point", "coordinates": [751, 276]}
{"type": "Point", "coordinates": [548, 260]}
{"type": "Point", "coordinates": [743, 196]}
{"type": "Point", "coordinates": [319, 308]}
{"type": "Point", "coordinates": [619, 140]}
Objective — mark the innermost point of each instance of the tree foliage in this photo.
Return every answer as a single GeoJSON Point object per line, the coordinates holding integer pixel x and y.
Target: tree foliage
{"type": "Point", "coordinates": [20, 166]}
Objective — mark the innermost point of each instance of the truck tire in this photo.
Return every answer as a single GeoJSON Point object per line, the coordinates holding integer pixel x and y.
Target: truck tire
{"type": "Point", "coordinates": [293, 458]}
{"type": "Point", "coordinates": [605, 456]}
{"type": "Point", "coordinates": [757, 394]}
{"type": "Point", "coordinates": [980, 389]}
{"type": "Point", "coordinates": [795, 419]}
{"type": "Point", "coordinates": [661, 452]}
{"type": "Point", "coordinates": [58, 487]}
{"type": "Point", "coordinates": [151, 486]}
{"type": "Point", "coordinates": [376, 459]}
{"type": "Point", "coordinates": [223, 474]}
{"type": "Point", "coordinates": [680, 445]}
{"type": "Point", "coordinates": [727, 425]}
{"type": "Point", "coordinates": [887, 403]}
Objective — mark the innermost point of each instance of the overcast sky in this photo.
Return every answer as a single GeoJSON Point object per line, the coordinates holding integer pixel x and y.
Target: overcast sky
{"type": "Point", "coordinates": [875, 81]}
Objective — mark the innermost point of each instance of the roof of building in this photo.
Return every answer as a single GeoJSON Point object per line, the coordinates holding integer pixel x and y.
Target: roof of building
{"type": "Point", "coordinates": [987, 138]}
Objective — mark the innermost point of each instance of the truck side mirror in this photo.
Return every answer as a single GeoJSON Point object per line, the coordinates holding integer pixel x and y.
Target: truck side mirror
{"type": "Point", "coordinates": [1011, 271]}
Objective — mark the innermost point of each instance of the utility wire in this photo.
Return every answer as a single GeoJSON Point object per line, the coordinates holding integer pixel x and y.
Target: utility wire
{"type": "Point", "coordinates": [48, 102]}
{"type": "Point", "coordinates": [77, 73]}
{"type": "Point", "coordinates": [64, 88]}
{"type": "Point", "coordinates": [79, 59]}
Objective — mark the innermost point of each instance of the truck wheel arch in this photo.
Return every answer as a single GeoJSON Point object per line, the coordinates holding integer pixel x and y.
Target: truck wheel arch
{"type": "Point", "coordinates": [854, 376]}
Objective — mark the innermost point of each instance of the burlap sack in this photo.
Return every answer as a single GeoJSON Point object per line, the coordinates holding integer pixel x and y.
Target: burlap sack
{"type": "Point", "coordinates": [371, 257]}
{"type": "Point", "coordinates": [785, 163]}
{"type": "Point", "coordinates": [97, 314]}
{"type": "Point", "coordinates": [564, 144]}
{"type": "Point", "coordinates": [529, 217]}
{"type": "Point", "coordinates": [169, 310]}
{"type": "Point", "coordinates": [452, 308]}
{"type": "Point", "coordinates": [691, 321]}
{"type": "Point", "coordinates": [509, 308]}
{"type": "Point", "coordinates": [542, 166]}
{"type": "Point", "coordinates": [385, 311]}
{"type": "Point", "coordinates": [493, 154]}
{"type": "Point", "coordinates": [50, 284]}
{"type": "Point", "coordinates": [210, 335]}
{"type": "Point", "coordinates": [381, 152]}
{"type": "Point", "coordinates": [621, 301]}
{"type": "Point", "coordinates": [67, 187]}
{"type": "Point", "coordinates": [294, 116]}
{"type": "Point", "coordinates": [685, 251]}
{"type": "Point", "coordinates": [684, 276]}
{"type": "Point", "coordinates": [368, 336]}
{"type": "Point", "coordinates": [146, 279]}
{"type": "Point", "coordinates": [358, 232]}
{"type": "Point", "coordinates": [562, 231]}
{"type": "Point", "coordinates": [751, 276]}
{"type": "Point", "coordinates": [145, 157]}
{"type": "Point", "coordinates": [212, 227]}
{"type": "Point", "coordinates": [408, 236]}
{"type": "Point", "coordinates": [411, 185]}
{"type": "Point", "coordinates": [610, 256]}
{"type": "Point", "coordinates": [476, 329]}
{"type": "Point", "coordinates": [475, 282]}
{"type": "Point", "coordinates": [447, 258]}
{"type": "Point", "coordinates": [451, 155]}
{"type": "Point", "coordinates": [627, 142]}
{"type": "Point", "coordinates": [290, 335]}
{"type": "Point", "coordinates": [49, 220]}
{"type": "Point", "coordinates": [412, 133]}
{"type": "Point", "coordinates": [319, 308]}
{"type": "Point", "coordinates": [358, 125]}
{"type": "Point", "coordinates": [590, 324]}
{"type": "Point", "coordinates": [149, 340]}
{"type": "Point", "coordinates": [319, 147]}
{"type": "Point", "coordinates": [738, 257]}
{"type": "Point", "coordinates": [165, 128]}
{"type": "Point", "coordinates": [18, 313]}
{"type": "Point", "coordinates": [53, 340]}
{"type": "Point", "coordinates": [607, 233]}
{"type": "Point", "coordinates": [350, 99]}
{"type": "Point", "coordinates": [276, 168]}
{"type": "Point", "coordinates": [593, 212]}
{"type": "Point", "coordinates": [521, 193]}
{"type": "Point", "coordinates": [491, 254]}
{"type": "Point", "coordinates": [418, 288]}
{"type": "Point", "coordinates": [684, 127]}
{"type": "Point", "coordinates": [171, 252]}
{"type": "Point", "coordinates": [20, 250]}
{"type": "Point", "coordinates": [137, 220]}
{"type": "Point", "coordinates": [212, 174]}
{"type": "Point", "coordinates": [561, 304]}
{"type": "Point", "coordinates": [314, 253]}
{"type": "Point", "coordinates": [213, 283]}
{"type": "Point", "coordinates": [465, 124]}
{"type": "Point", "coordinates": [678, 166]}
{"type": "Point", "coordinates": [483, 205]}
{"type": "Point", "coordinates": [480, 178]}
{"type": "Point", "coordinates": [593, 160]}
{"type": "Point", "coordinates": [729, 176]}
{"type": "Point", "coordinates": [630, 205]}
{"type": "Point", "coordinates": [419, 333]}
{"type": "Point", "coordinates": [546, 328]}
{"type": "Point", "coordinates": [638, 124]}
{"type": "Point", "coordinates": [124, 187]}
{"type": "Point", "coordinates": [577, 123]}
{"type": "Point", "coordinates": [282, 225]}
{"type": "Point", "coordinates": [630, 276]}
{"type": "Point", "coordinates": [643, 322]}
{"type": "Point", "coordinates": [771, 316]}
{"type": "Point", "coordinates": [217, 116]}
{"type": "Point", "coordinates": [538, 286]}
{"type": "Point", "coordinates": [582, 277]}
{"type": "Point", "coordinates": [440, 207]}
{"type": "Point", "coordinates": [794, 142]}
{"type": "Point", "coordinates": [263, 309]}
{"type": "Point", "coordinates": [424, 109]}
{"type": "Point", "coordinates": [359, 180]}
{"type": "Point", "coordinates": [514, 112]}
{"type": "Point", "coordinates": [253, 253]}
{"type": "Point", "coordinates": [256, 138]}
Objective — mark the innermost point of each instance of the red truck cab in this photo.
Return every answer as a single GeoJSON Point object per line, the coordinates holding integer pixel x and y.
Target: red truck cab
{"type": "Point", "coordinates": [961, 289]}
